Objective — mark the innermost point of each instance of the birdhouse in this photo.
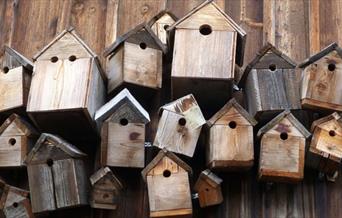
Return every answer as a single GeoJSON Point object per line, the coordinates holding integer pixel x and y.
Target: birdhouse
{"type": "Point", "coordinates": [167, 179]}
{"type": "Point", "coordinates": [282, 149]}
{"type": "Point", "coordinates": [208, 187]}
{"type": "Point", "coordinates": [271, 83]}
{"type": "Point", "coordinates": [160, 23]}
{"type": "Point", "coordinates": [325, 151]}
{"type": "Point", "coordinates": [56, 173]}
{"type": "Point", "coordinates": [180, 126]}
{"type": "Point", "coordinates": [231, 138]}
{"type": "Point", "coordinates": [17, 137]}
{"type": "Point", "coordinates": [322, 78]}
{"type": "Point", "coordinates": [67, 86]}
{"type": "Point", "coordinates": [123, 131]}
{"type": "Point", "coordinates": [15, 80]}
{"type": "Point", "coordinates": [135, 58]}
{"type": "Point", "coordinates": [14, 202]}
{"type": "Point", "coordinates": [106, 190]}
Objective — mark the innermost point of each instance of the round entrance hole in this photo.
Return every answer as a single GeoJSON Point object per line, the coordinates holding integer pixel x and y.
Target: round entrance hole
{"type": "Point", "coordinates": [123, 122]}
{"type": "Point", "coordinates": [331, 67]}
{"type": "Point", "coordinates": [272, 67]}
{"type": "Point", "coordinates": [232, 124]}
{"type": "Point", "coordinates": [12, 141]}
{"type": "Point", "coordinates": [143, 45]}
{"type": "Point", "coordinates": [49, 162]}
{"type": "Point", "coordinates": [167, 173]}
{"type": "Point", "coordinates": [54, 59]}
{"type": "Point", "coordinates": [332, 133]}
{"type": "Point", "coordinates": [5, 69]}
{"type": "Point", "coordinates": [182, 121]}
{"type": "Point", "coordinates": [105, 195]}
{"type": "Point", "coordinates": [72, 58]}
{"type": "Point", "coordinates": [205, 30]}
{"type": "Point", "coordinates": [283, 135]}
{"type": "Point", "coordinates": [166, 26]}
{"type": "Point", "coordinates": [15, 204]}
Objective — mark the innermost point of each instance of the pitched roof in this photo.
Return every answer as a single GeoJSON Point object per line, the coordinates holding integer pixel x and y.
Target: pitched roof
{"type": "Point", "coordinates": [162, 153]}
{"type": "Point", "coordinates": [285, 114]}
{"type": "Point", "coordinates": [121, 39]}
{"type": "Point", "coordinates": [124, 96]}
{"type": "Point", "coordinates": [159, 15]}
{"type": "Point", "coordinates": [20, 58]}
{"type": "Point", "coordinates": [263, 51]}
{"type": "Point", "coordinates": [27, 129]}
{"type": "Point", "coordinates": [334, 116]}
{"type": "Point", "coordinates": [103, 172]}
{"type": "Point", "coordinates": [231, 103]}
{"type": "Point", "coordinates": [332, 47]}
{"type": "Point", "coordinates": [208, 176]}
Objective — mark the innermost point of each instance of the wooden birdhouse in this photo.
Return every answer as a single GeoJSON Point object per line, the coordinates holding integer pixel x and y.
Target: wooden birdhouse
{"type": "Point", "coordinates": [106, 190]}
{"type": "Point", "coordinates": [14, 202]}
{"type": "Point", "coordinates": [17, 137]}
{"type": "Point", "coordinates": [230, 143]}
{"type": "Point", "coordinates": [123, 131]}
{"type": "Point", "coordinates": [67, 86]}
{"type": "Point", "coordinates": [271, 83]}
{"type": "Point", "coordinates": [282, 149]}
{"type": "Point", "coordinates": [322, 78]}
{"type": "Point", "coordinates": [135, 58]}
{"type": "Point", "coordinates": [325, 151]}
{"type": "Point", "coordinates": [56, 173]}
{"type": "Point", "coordinates": [180, 126]}
{"type": "Point", "coordinates": [15, 80]}
{"type": "Point", "coordinates": [167, 179]}
{"type": "Point", "coordinates": [208, 187]}
{"type": "Point", "coordinates": [160, 23]}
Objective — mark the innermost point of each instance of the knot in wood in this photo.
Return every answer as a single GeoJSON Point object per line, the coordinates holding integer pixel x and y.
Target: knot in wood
{"type": "Point", "coordinates": [144, 9]}
{"type": "Point", "coordinates": [283, 128]}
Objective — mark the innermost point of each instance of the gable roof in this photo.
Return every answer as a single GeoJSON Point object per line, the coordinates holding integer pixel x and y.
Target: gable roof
{"type": "Point", "coordinates": [262, 52]}
{"type": "Point", "coordinates": [285, 114]}
{"type": "Point", "coordinates": [121, 39]}
{"type": "Point", "coordinates": [98, 175]}
{"type": "Point", "coordinates": [164, 153]}
{"type": "Point", "coordinates": [334, 116]}
{"type": "Point", "coordinates": [332, 47]}
{"type": "Point", "coordinates": [20, 58]}
{"type": "Point", "coordinates": [208, 176]}
{"type": "Point", "coordinates": [27, 129]}
{"type": "Point", "coordinates": [124, 96]}
{"type": "Point", "coordinates": [231, 103]}
{"type": "Point", "coordinates": [159, 15]}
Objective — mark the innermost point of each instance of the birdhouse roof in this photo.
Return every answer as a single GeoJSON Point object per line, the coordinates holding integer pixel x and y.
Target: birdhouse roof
{"type": "Point", "coordinates": [22, 126]}
{"type": "Point", "coordinates": [231, 103]}
{"type": "Point", "coordinates": [123, 97]}
{"type": "Point", "coordinates": [332, 47]}
{"type": "Point", "coordinates": [20, 58]}
{"type": "Point", "coordinates": [261, 53]}
{"type": "Point", "coordinates": [285, 114]}
{"type": "Point", "coordinates": [130, 34]}
{"type": "Point", "coordinates": [334, 116]}
{"type": "Point", "coordinates": [165, 153]}
{"type": "Point", "coordinates": [159, 15]}
{"type": "Point", "coordinates": [101, 173]}
{"type": "Point", "coordinates": [209, 177]}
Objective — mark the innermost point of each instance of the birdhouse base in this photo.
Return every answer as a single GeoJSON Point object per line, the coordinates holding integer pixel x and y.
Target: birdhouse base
{"type": "Point", "coordinates": [180, 213]}
{"type": "Point", "coordinates": [322, 161]}
{"type": "Point", "coordinates": [315, 104]}
{"type": "Point", "coordinates": [226, 165]}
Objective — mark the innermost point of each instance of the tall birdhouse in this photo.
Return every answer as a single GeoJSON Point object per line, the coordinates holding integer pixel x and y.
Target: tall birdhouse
{"type": "Point", "coordinates": [106, 190]}
{"type": "Point", "coordinates": [67, 86]}
{"type": "Point", "coordinates": [167, 179]}
{"type": "Point", "coordinates": [56, 173]}
{"type": "Point", "coordinates": [271, 83]}
{"type": "Point", "coordinates": [123, 131]}
{"type": "Point", "coordinates": [230, 143]}
{"type": "Point", "coordinates": [180, 126]}
{"type": "Point", "coordinates": [282, 149]}
{"type": "Point", "coordinates": [14, 202]}
{"type": "Point", "coordinates": [160, 23]}
{"type": "Point", "coordinates": [15, 80]}
{"type": "Point", "coordinates": [322, 78]}
{"type": "Point", "coordinates": [325, 151]}
{"type": "Point", "coordinates": [17, 137]}
{"type": "Point", "coordinates": [208, 187]}
{"type": "Point", "coordinates": [135, 58]}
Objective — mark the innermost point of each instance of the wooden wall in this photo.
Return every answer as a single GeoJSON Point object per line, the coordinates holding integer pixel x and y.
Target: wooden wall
{"type": "Point", "coordinates": [298, 27]}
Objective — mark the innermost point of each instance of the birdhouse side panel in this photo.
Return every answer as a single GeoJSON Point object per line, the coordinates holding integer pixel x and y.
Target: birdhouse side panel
{"type": "Point", "coordinates": [13, 151]}
{"type": "Point", "coordinates": [252, 93]}
{"type": "Point", "coordinates": [160, 26]}
{"type": "Point", "coordinates": [115, 70]}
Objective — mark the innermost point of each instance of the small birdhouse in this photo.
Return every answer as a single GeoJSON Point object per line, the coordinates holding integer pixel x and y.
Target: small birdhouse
{"type": "Point", "coordinates": [106, 190]}
{"type": "Point", "coordinates": [15, 80]}
{"type": "Point", "coordinates": [322, 78]}
{"type": "Point", "coordinates": [14, 202]}
{"type": "Point", "coordinates": [271, 82]}
{"type": "Point", "coordinates": [56, 173]}
{"type": "Point", "coordinates": [282, 149]}
{"type": "Point", "coordinates": [67, 86]}
{"type": "Point", "coordinates": [231, 138]}
{"type": "Point", "coordinates": [17, 137]}
{"type": "Point", "coordinates": [325, 152]}
{"type": "Point", "coordinates": [180, 126]}
{"type": "Point", "coordinates": [167, 179]}
{"type": "Point", "coordinates": [160, 23]}
{"type": "Point", "coordinates": [135, 58]}
{"type": "Point", "coordinates": [123, 131]}
{"type": "Point", "coordinates": [208, 187]}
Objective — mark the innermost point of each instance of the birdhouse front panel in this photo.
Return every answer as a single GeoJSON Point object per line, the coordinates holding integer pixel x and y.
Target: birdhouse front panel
{"type": "Point", "coordinates": [160, 25]}
{"type": "Point", "coordinates": [209, 195]}
{"type": "Point", "coordinates": [13, 150]}
{"type": "Point", "coordinates": [105, 195]}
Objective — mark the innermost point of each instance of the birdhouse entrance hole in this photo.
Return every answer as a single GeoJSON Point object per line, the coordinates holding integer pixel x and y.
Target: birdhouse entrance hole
{"type": "Point", "coordinates": [105, 195]}
{"type": "Point", "coordinates": [54, 59]}
{"type": "Point", "coordinates": [49, 162]}
{"type": "Point", "coordinates": [205, 29]}
{"type": "Point", "coordinates": [272, 67]}
{"type": "Point", "coordinates": [5, 69]}
{"type": "Point", "coordinates": [123, 122]}
{"type": "Point", "coordinates": [143, 45]}
{"type": "Point", "coordinates": [15, 204]}
{"type": "Point", "coordinates": [331, 67]}
{"type": "Point", "coordinates": [166, 26]}
{"type": "Point", "coordinates": [12, 141]}
{"type": "Point", "coordinates": [182, 121]}
{"type": "Point", "coordinates": [332, 133]}
{"type": "Point", "coordinates": [72, 58]}
{"type": "Point", "coordinates": [283, 135]}
{"type": "Point", "coordinates": [167, 173]}
{"type": "Point", "coordinates": [232, 124]}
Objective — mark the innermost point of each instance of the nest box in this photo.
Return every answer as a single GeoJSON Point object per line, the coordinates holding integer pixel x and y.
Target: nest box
{"type": "Point", "coordinates": [17, 137]}
{"type": "Point", "coordinates": [67, 86]}
{"type": "Point", "coordinates": [180, 126]}
{"type": "Point", "coordinates": [230, 144]}
{"type": "Point", "coordinates": [271, 82]}
{"type": "Point", "coordinates": [167, 179]}
{"type": "Point", "coordinates": [57, 175]}
{"type": "Point", "coordinates": [106, 190]}
{"type": "Point", "coordinates": [322, 79]}
{"type": "Point", "coordinates": [123, 131]}
{"type": "Point", "coordinates": [282, 149]}
{"type": "Point", "coordinates": [160, 22]}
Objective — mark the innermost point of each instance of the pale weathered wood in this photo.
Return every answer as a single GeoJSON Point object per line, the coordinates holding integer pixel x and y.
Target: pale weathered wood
{"type": "Point", "coordinates": [160, 23]}
{"type": "Point", "coordinates": [115, 70]}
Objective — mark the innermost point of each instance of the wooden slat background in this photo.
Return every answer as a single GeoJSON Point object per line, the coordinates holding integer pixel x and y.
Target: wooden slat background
{"type": "Point", "coordinates": [298, 27]}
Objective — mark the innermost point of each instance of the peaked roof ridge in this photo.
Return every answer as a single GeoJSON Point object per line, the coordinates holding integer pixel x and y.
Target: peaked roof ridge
{"type": "Point", "coordinates": [101, 173]}
{"type": "Point", "coordinates": [19, 57]}
{"type": "Point", "coordinates": [159, 15]}
{"type": "Point", "coordinates": [334, 116]}
{"type": "Point", "coordinates": [26, 127]}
